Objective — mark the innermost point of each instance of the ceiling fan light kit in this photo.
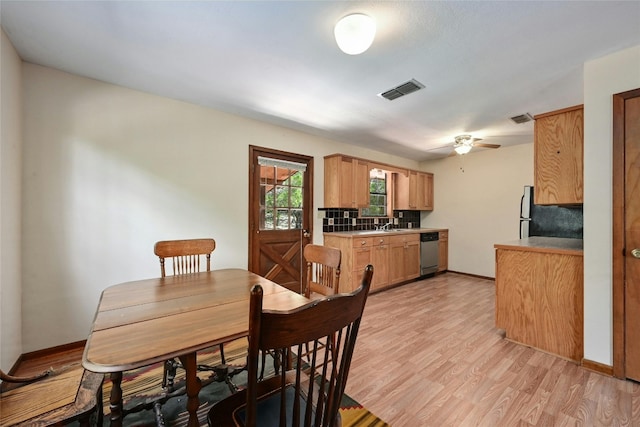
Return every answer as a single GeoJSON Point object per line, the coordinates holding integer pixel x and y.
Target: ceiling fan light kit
{"type": "Point", "coordinates": [354, 33]}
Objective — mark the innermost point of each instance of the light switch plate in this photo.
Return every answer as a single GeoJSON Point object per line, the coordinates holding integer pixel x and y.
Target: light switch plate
{"type": "Point", "coordinates": [375, 221]}
{"type": "Point", "coordinates": [330, 221]}
{"type": "Point", "coordinates": [345, 215]}
{"type": "Point", "coordinates": [395, 221]}
{"type": "Point", "coordinates": [399, 214]}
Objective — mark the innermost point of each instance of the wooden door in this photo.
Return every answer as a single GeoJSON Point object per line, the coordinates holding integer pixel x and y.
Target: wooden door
{"type": "Point", "coordinates": [632, 237]}
{"type": "Point", "coordinates": [626, 234]}
{"type": "Point", "coordinates": [280, 214]}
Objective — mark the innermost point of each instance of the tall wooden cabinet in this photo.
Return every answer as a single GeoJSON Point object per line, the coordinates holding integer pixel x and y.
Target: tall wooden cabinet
{"type": "Point", "coordinates": [558, 157]}
{"type": "Point", "coordinates": [346, 182]}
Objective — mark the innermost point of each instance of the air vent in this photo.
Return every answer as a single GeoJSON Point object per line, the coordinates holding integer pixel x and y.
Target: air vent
{"type": "Point", "coordinates": [402, 90]}
{"type": "Point", "coordinates": [522, 118]}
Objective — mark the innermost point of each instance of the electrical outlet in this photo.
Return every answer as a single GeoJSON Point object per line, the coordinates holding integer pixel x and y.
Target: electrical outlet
{"type": "Point", "coordinates": [395, 221]}
{"type": "Point", "coordinates": [399, 214]}
{"type": "Point", "coordinates": [354, 222]}
{"type": "Point", "coordinates": [345, 215]}
{"type": "Point", "coordinates": [409, 225]}
{"type": "Point", "coordinates": [375, 221]}
{"type": "Point", "coordinates": [330, 221]}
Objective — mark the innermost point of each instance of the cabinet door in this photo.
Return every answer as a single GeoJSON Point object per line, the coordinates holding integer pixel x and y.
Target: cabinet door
{"type": "Point", "coordinates": [380, 262]}
{"type": "Point", "coordinates": [425, 191]}
{"type": "Point", "coordinates": [406, 191]}
{"type": "Point", "coordinates": [412, 260]}
{"type": "Point", "coordinates": [396, 263]}
{"type": "Point", "coordinates": [443, 251]}
{"type": "Point", "coordinates": [361, 184]}
{"type": "Point", "coordinates": [558, 157]}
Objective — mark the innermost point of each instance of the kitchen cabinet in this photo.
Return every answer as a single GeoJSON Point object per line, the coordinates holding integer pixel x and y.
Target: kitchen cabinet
{"type": "Point", "coordinates": [558, 157]}
{"type": "Point", "coordinates": [346, 182]}
{"type": "Point", "coordinates": [413, 191]}
{"type": "Point", "coordinates": [443, 251]}
{"type": "Point", "coordinates": [380, 262]}
{"type": "Point", "coordinates": [403, 261]}
{"type": "Point", "coordinates": [539, 294]}
{"type": "Point", "coordinates": [404, 258]}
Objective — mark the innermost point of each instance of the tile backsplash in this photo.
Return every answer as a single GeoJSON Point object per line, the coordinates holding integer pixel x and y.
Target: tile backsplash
{"type": "Point", "coordinates": [342, 220]}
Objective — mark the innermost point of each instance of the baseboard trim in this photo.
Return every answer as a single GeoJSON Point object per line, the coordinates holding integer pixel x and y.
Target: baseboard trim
{"type": "Point", "coordinates": [598, 367]}
{"type": "Point", "coordinates": [52, 350]}
{"type": "Point", "coordinates": [477, 276]}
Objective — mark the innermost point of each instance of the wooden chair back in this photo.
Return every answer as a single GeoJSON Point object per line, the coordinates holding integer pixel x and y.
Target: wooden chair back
{"type": "Point", "coordinates": [323, 270]}
{"type": "Point", "coordinates": [185, 254]}
{"type": "Point", "coordinates": [299, 396]}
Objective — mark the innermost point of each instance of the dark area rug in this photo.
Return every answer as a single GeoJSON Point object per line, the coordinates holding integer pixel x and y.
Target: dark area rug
{"type": "Point", "coordinates": [142, 386]}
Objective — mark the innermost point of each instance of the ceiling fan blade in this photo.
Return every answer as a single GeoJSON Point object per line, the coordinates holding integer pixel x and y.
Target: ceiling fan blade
{"type": "Point", "coordinates": [442, 147]}
{"type": "Point", "coordinates": [479, 144]}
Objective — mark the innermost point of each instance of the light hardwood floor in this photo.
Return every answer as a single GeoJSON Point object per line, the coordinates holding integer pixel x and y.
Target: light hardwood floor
{"type": "Point", "coordinates": [428, 354]}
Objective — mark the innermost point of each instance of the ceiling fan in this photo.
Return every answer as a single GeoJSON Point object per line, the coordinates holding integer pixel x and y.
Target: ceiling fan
{"type": "Point", "coordinates": [464, 143]}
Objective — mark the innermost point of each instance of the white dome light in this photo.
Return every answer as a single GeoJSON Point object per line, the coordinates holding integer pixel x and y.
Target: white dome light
{"type": "Point", "coordinates": [354, 33]}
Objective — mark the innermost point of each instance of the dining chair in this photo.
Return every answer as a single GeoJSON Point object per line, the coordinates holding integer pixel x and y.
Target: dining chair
{"type": "Point", "coordinates": [189, 256]}
{"type": "Point", "coordinates": [54, 397]}
{"type": "Point", "coordinates": [323, 270]}
{"type": "Point", "coordinates": [297, 395]}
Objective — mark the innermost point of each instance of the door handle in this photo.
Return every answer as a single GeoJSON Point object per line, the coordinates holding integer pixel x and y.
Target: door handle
{"type": "Point", "coordinates": [635, 252]}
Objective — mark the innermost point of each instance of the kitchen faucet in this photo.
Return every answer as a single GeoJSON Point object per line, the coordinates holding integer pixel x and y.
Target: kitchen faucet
{"type": "Point", "coordinates": [386, 226]}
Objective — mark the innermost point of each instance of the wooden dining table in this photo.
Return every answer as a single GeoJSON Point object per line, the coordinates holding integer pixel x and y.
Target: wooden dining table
{"type": "Point", "coordinates": [148, 321]}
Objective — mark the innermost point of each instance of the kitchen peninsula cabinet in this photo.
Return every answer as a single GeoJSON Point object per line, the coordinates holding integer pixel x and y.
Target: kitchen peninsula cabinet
{"type": "Point", "coordinates": [346, 182]}
{"type": "Point", "coordinates": [539, 294]}
{"type": "Point", "coordinates": [443, 251]}
{"type": "Point", "coordinates": [404, 258]}
{"type": "Point", "coordinates": [414, 191]}
{"type": "Point", "coordinates": [558, 157]}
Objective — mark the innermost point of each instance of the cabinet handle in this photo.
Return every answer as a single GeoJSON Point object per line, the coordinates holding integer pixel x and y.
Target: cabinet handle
{"type": "Point", "coordinates": [635, 252]}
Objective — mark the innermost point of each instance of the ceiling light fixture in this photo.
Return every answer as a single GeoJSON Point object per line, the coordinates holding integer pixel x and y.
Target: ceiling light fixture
{"type": "Point", "coordinates": [463, 144]}
{"type": "Point", "coordinates": [354, 33]}
{"type": "Point", "coordinates": [462, 149]}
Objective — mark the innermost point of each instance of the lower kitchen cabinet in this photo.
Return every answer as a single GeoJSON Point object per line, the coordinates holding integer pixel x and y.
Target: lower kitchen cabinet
{"type": "Point", "coordinates": [404, 258]}
{"type": "Point", "coordinates": [443, 251]}
{"type": "Point", "coordinates": [539, 295]}
{"type": "Point", "coordinates": [395, 258]}
{"type": "Point", "coordinates": [380, 261]}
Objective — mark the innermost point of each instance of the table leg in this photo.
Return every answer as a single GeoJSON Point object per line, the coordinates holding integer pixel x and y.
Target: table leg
{"type": "Point", "coordinates": [193, 387]}
{"type": "Point", "coordinates": [115, 399]}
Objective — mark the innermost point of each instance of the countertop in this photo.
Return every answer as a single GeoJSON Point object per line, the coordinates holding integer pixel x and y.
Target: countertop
{"type": "Point", "coordinates": [366, 233]}
{"type": "Point", "coordinates": [544, 244]}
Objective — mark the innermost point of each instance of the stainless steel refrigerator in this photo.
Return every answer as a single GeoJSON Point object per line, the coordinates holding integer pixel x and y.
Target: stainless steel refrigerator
{"type": "Point", "coordinates": [549, 221]}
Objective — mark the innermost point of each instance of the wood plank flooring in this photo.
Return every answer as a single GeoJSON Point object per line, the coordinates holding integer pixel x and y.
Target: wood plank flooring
{"type": "Point", "coordinates": [428, 354]}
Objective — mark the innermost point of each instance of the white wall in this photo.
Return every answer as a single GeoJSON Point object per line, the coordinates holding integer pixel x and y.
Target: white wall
{"type": "Point", "coordinates": [10, 192]}
{"type": "Point", "coordinates": [603, 78]}
{"type": "Point", "coordinates": [108, 171]}
{"type": "Point", "coordinates": [477, 196]}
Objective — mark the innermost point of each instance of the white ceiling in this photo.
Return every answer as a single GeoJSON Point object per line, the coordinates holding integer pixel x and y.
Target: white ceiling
{"type": "Point", "coordinates": [481, 62]}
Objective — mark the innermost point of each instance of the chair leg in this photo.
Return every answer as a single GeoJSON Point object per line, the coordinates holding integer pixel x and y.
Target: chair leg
{"type": "Point", "coordinates": [223, 360]}
{"type": "Point", "coordinates": [170, 369]}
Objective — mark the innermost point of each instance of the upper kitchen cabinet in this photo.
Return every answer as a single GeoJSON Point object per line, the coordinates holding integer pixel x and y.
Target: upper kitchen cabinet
{"type": "Point", "coordinates": [558, 147]}
{"type": "Point", "coordinates": [413, 192]}
{"type": "Point", "coordinates": [346, 182]}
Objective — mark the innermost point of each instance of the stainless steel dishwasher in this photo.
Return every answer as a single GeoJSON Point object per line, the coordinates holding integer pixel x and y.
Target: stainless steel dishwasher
{"type": "Point", "coordinates": [428, 253]}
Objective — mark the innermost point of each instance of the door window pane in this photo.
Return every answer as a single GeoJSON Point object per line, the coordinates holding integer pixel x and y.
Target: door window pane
{"type": "Point", "coordinates": [281, 196]}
